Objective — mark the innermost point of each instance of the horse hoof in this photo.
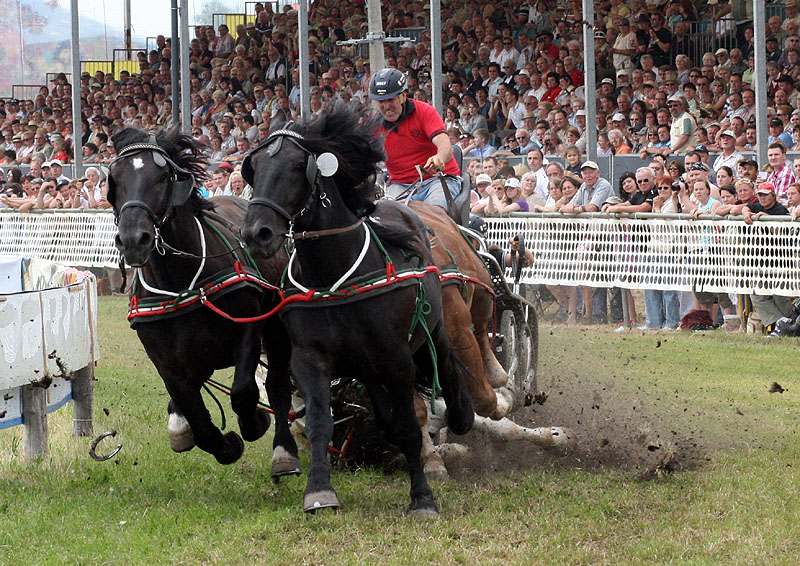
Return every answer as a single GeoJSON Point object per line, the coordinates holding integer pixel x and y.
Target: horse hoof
{"type": "Point", "coordinates": [316, 500]}
{"type": "Point", "coordinates": [182, 442]}
{"type": "Point", "coordinates": [459, 422]}
{"type": "Point", "coordinates": [284, 463]}
{"type": "Point", "coordinates": [262, 426]}
{"type": "Point", "coordinates": [234, 447]}
{"type": "Point", "coordinates": [563, 438]}
{"type": "Point", "coordinates": [181, 438]}
{"type": "Point", "coordinates": [426, 509]}
{"type": "Point", "coordinates": [436, 473]}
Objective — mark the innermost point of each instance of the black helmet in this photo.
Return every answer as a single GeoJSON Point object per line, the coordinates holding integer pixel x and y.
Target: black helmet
{"type": "Point", "coordinates": [387, 83]}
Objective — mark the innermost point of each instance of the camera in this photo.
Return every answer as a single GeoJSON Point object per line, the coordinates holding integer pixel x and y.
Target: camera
{"type": "Point", "coordinates": [676, 187]}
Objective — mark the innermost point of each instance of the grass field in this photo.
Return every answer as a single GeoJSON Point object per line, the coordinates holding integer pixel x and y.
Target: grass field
{"type": "Point", "coordinates": [735, 499]}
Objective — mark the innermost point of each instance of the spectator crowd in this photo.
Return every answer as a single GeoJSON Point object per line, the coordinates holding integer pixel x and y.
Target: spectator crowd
{"type": "Point", "coordinates": [513, 85]}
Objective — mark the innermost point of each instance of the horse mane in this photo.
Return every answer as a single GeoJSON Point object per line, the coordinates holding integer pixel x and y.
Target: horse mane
{"type": "Point", "coordinates": [182, 149]}
{"type": "Point", "coordinates": [353, 137]}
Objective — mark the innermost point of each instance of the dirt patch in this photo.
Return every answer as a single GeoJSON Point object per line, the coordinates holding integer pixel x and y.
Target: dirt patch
{"type": "Point", "coordinates": [617, 424]}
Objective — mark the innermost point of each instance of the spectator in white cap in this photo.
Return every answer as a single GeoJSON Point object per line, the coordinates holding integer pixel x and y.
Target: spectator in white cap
{"type": "Point", "coordinates": [480, 195]}
{"type": "Point", "coordinates": [507, 198]}
{"type": "Point", "coordinates": [592, 193]}
{"type": "Point", "coordinates": [729, 156]}
{"type": "Point", "coordinates": [56, 170]}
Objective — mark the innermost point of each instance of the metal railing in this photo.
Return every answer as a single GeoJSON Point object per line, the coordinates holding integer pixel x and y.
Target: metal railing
{"type": "Point", "coordinates": [25, 92]}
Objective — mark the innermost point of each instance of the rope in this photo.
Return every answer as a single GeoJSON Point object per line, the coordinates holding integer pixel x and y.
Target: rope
{"type": "Point", "coordinates": [421, 309]}
{"type": "Point", "coordinates": [221, 410]}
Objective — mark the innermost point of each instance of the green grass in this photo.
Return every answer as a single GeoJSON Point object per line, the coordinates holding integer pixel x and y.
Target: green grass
{"type": "Point", "coordinates": [152, 506]}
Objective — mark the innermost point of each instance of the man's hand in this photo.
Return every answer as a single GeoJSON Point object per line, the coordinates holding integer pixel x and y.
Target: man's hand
{"type": "Point", "coordinates": [435, 162]}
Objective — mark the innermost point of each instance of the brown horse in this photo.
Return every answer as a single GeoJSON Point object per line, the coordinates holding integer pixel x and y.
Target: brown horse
{"type": "Point", "coordinates": [467, 315]}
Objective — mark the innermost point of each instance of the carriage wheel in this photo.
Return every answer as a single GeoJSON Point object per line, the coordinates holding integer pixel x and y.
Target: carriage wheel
{"type": "Point", "coordinates": [516, 348]}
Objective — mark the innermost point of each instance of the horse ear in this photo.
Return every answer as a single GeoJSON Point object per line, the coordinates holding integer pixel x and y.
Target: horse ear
{"type": "Point", "coordinates": [278, 121]}
{"type": "Point", "coordinates": [247, 171]}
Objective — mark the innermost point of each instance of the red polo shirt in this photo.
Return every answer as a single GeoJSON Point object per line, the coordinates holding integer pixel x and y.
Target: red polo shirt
{"type": "Point", "coordinates": [408, 142]}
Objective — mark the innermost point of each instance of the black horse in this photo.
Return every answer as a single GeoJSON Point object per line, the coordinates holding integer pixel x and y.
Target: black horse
{"type": "Point", "coordinates": [185, 252]}
{"type": "Point", "coordinates": [371, 335]}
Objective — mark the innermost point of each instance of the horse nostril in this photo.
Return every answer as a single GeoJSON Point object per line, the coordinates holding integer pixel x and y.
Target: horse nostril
{"type": "Point", "coordinates": [145, 239]}
{"type": "Point", "coordinates": [263, 235]}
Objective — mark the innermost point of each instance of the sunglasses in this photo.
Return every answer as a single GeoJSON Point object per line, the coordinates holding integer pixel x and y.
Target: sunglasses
{"type": "Point", "coordinates": [642, 181]}
{"type": "Point", "coordinates": [664, 188]}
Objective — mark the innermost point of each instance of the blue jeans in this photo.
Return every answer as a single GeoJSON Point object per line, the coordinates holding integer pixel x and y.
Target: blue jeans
{"type": "Point", "coordinates": [662, 309]}
{"type": "Point", "coordinates": [430, 191]}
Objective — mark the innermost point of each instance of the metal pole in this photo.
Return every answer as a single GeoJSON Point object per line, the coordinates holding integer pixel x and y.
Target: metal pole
{"type": "Point", "coordinates": [376, 59]}
{"type": "Point", "coordinates": [759, 76]}
{"type": "Point", "coordinates": [436, 55]}
{"type": "Point", "coordinates": [127, 27]}
{"type": "Point", "coordinates": [186, 101]}
{"type": "Point", "coordinates": [303, 75]}
{"type": "Point", "coordinates": [77, 124]}
{"type": "Point", "coordinates": [589, 82]}
{"type": "Point", "coordinates": [174, 64]}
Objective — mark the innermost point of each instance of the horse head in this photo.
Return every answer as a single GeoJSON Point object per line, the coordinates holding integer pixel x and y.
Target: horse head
{"type": "Point", "coordinates": [302, 167]}
{"type": "Point", "coordinates": [147, 181]}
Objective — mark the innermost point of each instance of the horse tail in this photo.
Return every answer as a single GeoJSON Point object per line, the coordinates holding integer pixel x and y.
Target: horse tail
{"type": "Point", "coordinates": [461, 412]}
{"type": "Point", "coordinates": [453, 374]}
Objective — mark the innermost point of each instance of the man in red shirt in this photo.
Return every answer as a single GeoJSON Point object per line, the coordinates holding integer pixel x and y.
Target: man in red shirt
{"type": "Point", "coordinates": [415, 135]}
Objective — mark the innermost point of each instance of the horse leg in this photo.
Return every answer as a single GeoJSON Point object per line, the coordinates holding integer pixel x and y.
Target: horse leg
{"type": "Point", "coordinates": [253, 422]}
{"type": "Point", "coordinates": [496, 376]}
{"type": "Point", "coordinates": [186, 396]}
{"type": "Point", "coordinates": [452, 378]}
{"type": "Point", "coordinates": [313, 374]}
{"type": "Point", "coordinates": [181, 438]}
{"type": "Point", "coordinates": [279, 389]}
{"type": "Point", "coordinates": [406, 432]}
{"type": "Point", "coordinates": [381, 407]}
{"type": "Point", "coordinates": [458, 324]}
{"type": "Point", "coordinates": [433, 465]}
{"type": "Point", "coordinates": [545, 437]}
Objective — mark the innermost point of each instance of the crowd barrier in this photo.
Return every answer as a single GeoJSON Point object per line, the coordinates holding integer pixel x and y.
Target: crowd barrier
{"type": "Point", "coordinates": [80, 238]}
{"type": "Point", "coordinates": [640, 251]}
{"type": "Point", "coordinates": [651, 251]}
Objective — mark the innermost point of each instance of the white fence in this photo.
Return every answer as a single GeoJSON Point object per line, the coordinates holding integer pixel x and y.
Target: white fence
{"type": "Point", "coordinates": [642, 251]}
{"type": "Point", "coordinates": [82, 237]}
{"type": "Point", "coordinates": [648, 251]}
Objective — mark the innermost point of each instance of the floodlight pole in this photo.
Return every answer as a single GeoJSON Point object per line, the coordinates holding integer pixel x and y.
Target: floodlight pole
{"type": "Point", "coordinates": [759, 77]}
{"type": "Point", "coordinates": [590, 81]}
{"type": "Point", "coordinates": [174, 64]}
{"type": "Point", "coordinates": [77, 123]}
{"type": "Point", "coordinates": [186, 99]}
{"type": "Point", "coordinates": [436, 56]}
{"type": "Point", "coordinates": [127, 28]}
{"type": "Point", "coordinates": [302, 47]}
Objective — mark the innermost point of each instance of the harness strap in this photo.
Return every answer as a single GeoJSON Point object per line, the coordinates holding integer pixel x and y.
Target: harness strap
{"type": "Point", "coordinates": [313, 235]}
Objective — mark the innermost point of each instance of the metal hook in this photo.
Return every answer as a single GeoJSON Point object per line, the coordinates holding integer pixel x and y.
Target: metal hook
{"type": "Point", "coordinates": [326, 202]}
{"type": "Point", "coordinates": [158, 242]}
{"type": "Point", "coordinates": [97, 440]}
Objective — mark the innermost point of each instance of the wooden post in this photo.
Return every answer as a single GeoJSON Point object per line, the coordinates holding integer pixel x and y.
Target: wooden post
{"type": "Point", "coordinates": [82, 399]}
{"type": "Point", "coordinates": [34, 420]}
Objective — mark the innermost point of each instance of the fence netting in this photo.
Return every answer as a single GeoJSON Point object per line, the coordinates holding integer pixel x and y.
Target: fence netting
{"type": "Point", "coordinates": [656, 253]}
{"type": "Point", "coordinates": [592, 250]}
{"type": "Point", "coordinates": [71, 238]}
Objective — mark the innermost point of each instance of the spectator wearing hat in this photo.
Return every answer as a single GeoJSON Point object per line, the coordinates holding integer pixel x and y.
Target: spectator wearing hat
{"type": "Point", "coordinates": [55, 169]}
{"type": "Point", "coordinates": [729, 157]}
{"type": "Point", "coordinates": [480, 195]}
{"type": "Point", "coordinates": [769, 307]}
{"type": "Point", "coordinates": [782, 175]}
{"type": "Point", "coordinates": [778, 134]}
{"type": "Point", "coordinates": [507, 198]}
{"type": "Point", "coordinates": [624, 46]}
{"type": "Point", "coordinates": [681, 134]}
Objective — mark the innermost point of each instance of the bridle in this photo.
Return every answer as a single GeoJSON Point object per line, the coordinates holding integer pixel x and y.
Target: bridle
{"type": "Point", "coordinates": [317, 166]}
{"type": "Point", "coordinates": [181, 181]}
